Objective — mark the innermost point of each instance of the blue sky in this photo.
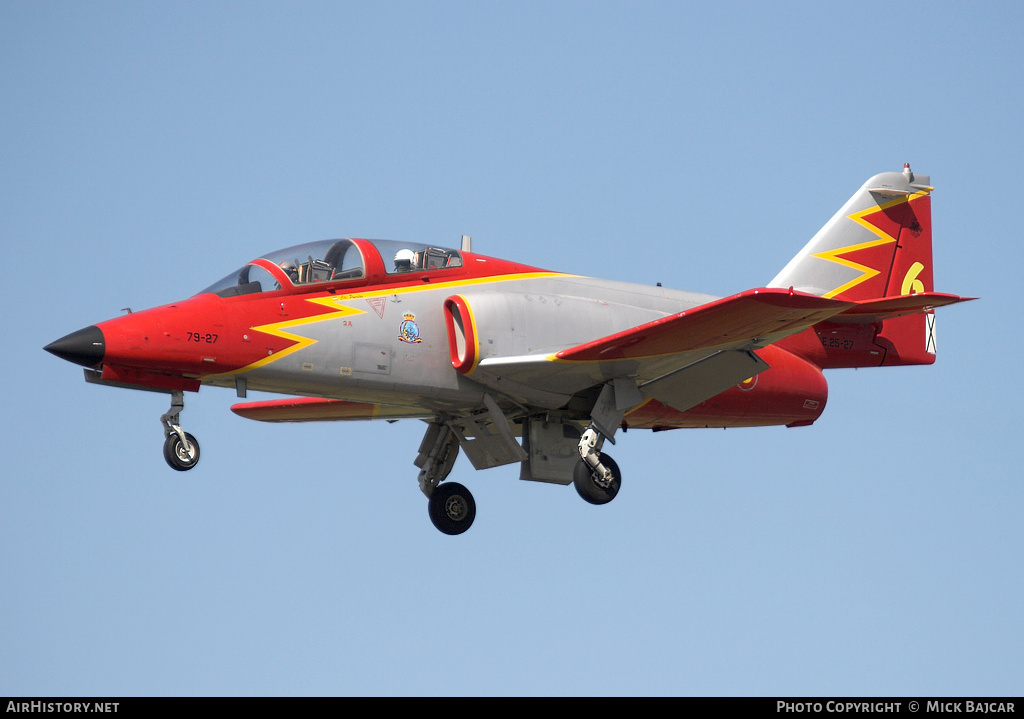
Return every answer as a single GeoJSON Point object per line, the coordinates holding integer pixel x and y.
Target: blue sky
{"type": "Point", "coordinates": [147, 149]}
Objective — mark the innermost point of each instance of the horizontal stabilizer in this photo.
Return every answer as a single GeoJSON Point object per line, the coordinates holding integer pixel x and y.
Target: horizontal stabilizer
{"type": "Point", "coordinates": [868, 311]}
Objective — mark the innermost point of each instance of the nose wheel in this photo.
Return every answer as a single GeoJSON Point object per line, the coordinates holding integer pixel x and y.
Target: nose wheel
{"type": "Point", "coordinates": [181, 455]}
{"type": "Point", "coordinates": [181, 450]}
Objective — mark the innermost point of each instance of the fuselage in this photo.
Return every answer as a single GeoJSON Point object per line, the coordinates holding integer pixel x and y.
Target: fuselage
{"type": "Point", "coordinates": [338, 320]}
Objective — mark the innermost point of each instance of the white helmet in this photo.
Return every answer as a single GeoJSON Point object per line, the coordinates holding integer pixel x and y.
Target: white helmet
{"type": "Point", "coordinates": [404, 259]}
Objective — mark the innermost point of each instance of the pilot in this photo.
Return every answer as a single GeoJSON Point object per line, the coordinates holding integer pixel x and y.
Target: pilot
{"type": "Point", "coordinates": [404, 260]}
{"type": "Point", "coordinates": [291, 270]}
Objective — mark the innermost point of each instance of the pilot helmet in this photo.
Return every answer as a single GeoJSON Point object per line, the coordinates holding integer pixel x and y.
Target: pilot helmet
{"type": "Point", "coordinates": [289, 269]}
{"type": "Point", "coordinates": [404, 259]}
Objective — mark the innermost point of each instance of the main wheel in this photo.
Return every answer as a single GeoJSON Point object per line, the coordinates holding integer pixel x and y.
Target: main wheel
{"type": "Point", "coordinates": [589, 486]}
{"type": "Point", "coordinates": [452, 508]}
{"type": "Point", "coordinates": [181, 457]}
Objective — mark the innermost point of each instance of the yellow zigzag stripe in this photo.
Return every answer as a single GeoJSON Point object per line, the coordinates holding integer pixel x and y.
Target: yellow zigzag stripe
{"type": "Point", "coordinates": [883, 238]}
{"type": "Point", "coordinates": [866, 272]}
{"type": "Point", "coordinates": [280, 329]}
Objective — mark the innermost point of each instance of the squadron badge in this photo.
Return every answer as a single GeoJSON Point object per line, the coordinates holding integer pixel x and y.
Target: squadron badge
{"type": "Point", "coordinates": [409, 331]}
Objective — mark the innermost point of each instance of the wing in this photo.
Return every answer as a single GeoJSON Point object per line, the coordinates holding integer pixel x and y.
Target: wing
{"type": "Point", "coordinates": [312, 409]}
{"type": "Point", "coordinates": [681, 359]}
{"type": "Point", "coordinates": [763, 315]}
{"type": "Point", "coordinates": [485, 437]}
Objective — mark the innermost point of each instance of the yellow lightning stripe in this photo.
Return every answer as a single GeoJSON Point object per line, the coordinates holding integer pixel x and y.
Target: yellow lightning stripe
{"type": "Point", "coordinates": [883, 238]}
{"type": "Point", "coordinates": [866, 272]}
{"type": "Point", "coordinates": [280, 329]}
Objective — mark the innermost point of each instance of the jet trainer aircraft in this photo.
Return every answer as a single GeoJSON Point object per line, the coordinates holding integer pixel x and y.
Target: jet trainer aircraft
{"type": "Point", "coordinates": [512, 363]}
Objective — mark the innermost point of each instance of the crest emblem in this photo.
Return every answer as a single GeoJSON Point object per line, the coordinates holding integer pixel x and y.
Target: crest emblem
{"type": "Point", "coordinates": [409, 331]}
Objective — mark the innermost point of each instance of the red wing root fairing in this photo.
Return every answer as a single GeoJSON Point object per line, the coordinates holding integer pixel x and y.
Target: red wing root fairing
{"type": "Point", "coordinates": [509, 363]}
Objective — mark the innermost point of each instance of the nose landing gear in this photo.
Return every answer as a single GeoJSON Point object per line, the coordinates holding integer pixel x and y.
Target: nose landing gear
{"type": "Point", "coordinates": [181, 450]}
{"type": "Point", "coordinates": [181, 454]}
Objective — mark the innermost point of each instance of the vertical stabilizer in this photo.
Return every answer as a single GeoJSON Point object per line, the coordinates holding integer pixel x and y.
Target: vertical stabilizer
{"type": "Point", "coordinates": [878, 245]}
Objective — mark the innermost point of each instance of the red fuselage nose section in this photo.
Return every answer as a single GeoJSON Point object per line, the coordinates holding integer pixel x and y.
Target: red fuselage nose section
{"type": "Point", "coordinates": [200, 336]}
{"type": "Point", "coordinates": [159, 339]}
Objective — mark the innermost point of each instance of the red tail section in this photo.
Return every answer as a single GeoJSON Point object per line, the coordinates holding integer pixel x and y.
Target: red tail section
{"type": "Point", "coordinates": [901, 341]}
{"type": "Point", "coordinates": [879, 245]}
{"type": "Point", "coordinates": [898, 262]}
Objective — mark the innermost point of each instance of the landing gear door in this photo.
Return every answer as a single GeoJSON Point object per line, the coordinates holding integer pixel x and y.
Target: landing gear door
{"type": "Point", "coordinates": [552, 449]}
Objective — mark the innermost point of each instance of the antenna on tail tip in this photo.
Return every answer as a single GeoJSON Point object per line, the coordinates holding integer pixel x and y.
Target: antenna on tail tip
{"type": "Point", "coordinates": [907, 173]}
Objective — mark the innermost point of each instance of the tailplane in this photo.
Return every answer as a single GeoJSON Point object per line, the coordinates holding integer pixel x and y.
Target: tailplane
{"type": "Point", "coordinates": [879, 245]}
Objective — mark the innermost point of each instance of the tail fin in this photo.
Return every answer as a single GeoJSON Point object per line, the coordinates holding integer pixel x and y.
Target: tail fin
{"type": "Point", "coordinates": [878, 245]}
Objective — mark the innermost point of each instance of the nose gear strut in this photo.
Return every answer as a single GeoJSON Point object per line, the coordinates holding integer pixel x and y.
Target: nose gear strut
{"type": "Point", "coordinates": [181, 450]}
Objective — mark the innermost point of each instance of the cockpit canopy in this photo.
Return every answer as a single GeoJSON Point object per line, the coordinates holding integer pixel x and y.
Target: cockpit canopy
{"type": "Point", "coordinates": [330, 261]}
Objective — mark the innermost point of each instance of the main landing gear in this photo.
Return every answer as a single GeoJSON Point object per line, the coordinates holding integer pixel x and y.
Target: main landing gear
{"type": "Point", "coordinates": [181, 450]}
{"type": "Point", "coordinates": [451, 506]}
{"type": "Point", "coordinates": [596, 477]}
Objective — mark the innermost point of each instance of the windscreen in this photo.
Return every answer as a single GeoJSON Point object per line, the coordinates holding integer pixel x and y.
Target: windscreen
{"type": "Point", "coordinates": [323, 261]}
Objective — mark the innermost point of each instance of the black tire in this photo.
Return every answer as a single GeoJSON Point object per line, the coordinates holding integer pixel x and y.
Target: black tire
{"type": "Point", "coordinates": [179, 456]}
{"type": "Point", "coordinates": [452, 508]}
{"type": "Point", "coordinates": [589, 489]}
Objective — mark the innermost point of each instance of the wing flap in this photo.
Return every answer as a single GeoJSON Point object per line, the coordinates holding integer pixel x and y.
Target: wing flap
{"type": "Point", "coordinates": [690, 385]}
